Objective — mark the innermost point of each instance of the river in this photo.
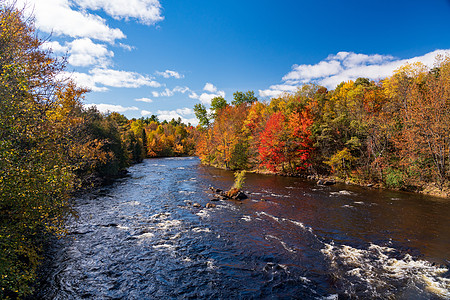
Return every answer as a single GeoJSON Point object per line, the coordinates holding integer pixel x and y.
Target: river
{"type": "Point", "coordinates": [142, 238]}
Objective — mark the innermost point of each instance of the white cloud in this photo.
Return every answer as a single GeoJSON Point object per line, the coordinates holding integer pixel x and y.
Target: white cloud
{"type": "Point", "coordinates": [55, 47]}
{"type": "Point", "coordinates": [70, 18]}
{"type": "Point", "coordinates": [126, 47]}
{"type": "Point", "coordinates": [104, 108]}
{"type": "Point", "coordinates": [111, 78]}
{"type": "Point", "coordinates": [185, 111]}
{"type": "Point", "coordinates": [145, 11]}
{"type": "Point", "coordinates": [193, 95]}
{"type": "Point", "coordinates": [147, 100]}
{"type": "Point", "coordinates": [308, 72]}
{"type": "Point", "coordinates": [209, 87]}
{"type": "Point", "coordinates": [170, 92]}
{"type": "Point", "coordinates": [116, 78]}
{"type": "Point", "coordinates": [61, 18]}
{"type": "Point", "coordinates": [270, 93]}
{"type": "Point", "coordinates": [345, 66]}
{"type": "Point", "coordinates": [165, 93]}
{"type": "Point", "coordinates": [145, 113]}
{"type": "Point", "coordinates": [181, 113]}
{"type": "Point", "coordinates": [206, 98]}
{"type": "Point", "coordinates": [181, 89]}
{"type": "Point", "coordinates": [82, 52]}
{"type": "Point", "coordinates": [276, 90]}
{"type": "Point", "coordinates": [83, 80]}
{"type": "Point", "coordinates": [169, 73]}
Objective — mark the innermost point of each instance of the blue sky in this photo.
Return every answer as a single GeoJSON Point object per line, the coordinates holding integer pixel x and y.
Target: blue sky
{"type": "Point", "coordinates": [143, 57]}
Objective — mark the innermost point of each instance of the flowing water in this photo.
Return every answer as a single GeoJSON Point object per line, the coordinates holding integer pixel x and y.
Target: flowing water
{"type": "Point", "coordinates": [142, 238]}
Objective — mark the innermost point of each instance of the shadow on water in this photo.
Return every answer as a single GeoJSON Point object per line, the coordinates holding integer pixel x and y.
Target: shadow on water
{"type": "Point", "coordinates": [142, 238]}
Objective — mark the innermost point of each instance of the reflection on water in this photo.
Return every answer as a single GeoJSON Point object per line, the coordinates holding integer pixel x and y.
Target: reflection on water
{"type": "Point", "coordinates": [142, 238]}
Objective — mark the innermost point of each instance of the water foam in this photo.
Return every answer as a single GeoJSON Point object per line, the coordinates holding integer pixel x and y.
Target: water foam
{"type": "Point", "coordinates": [283, 243]}
{"type": "Point", "coordinates": [147, 235]}
{"type": "Point", "coordinates": [123, 227]}
{"type": "Point", "coordinates": [246, 218]}
{"type": "Point", "coordinates": [186, 192]}
{"type": "Point", "coordinates": [204, 213]}
{"type": "Point", "coordinates": [263, 213]}
{"type": "Point", "coordinates": [210, 265]}
{"type": "Point", "coordinates": [167, 224]}
{"type": "Point", "coordinates": [164, 247]}
{"type": "Point", "coordinates": [198, 229]}
{"type": "Point", "coordinates": [379, 271]}
{"type": "Point", "coordinates": [279, 220]}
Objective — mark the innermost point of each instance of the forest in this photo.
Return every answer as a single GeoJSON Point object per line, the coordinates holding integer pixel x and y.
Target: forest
{"type": "Point", "coordinates": [392, 133]}
{"type": "Point", "coordinates": [52, 147]}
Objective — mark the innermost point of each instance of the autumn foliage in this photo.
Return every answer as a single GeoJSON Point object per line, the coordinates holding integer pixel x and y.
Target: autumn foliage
{"type": "Point", "coordinates": [394, 132]}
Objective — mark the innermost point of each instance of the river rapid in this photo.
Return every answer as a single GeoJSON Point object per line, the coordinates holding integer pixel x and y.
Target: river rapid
{"type": "Point", "coordinates": [142, 238]}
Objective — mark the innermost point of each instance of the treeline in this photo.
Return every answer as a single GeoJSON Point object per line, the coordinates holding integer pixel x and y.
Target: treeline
{"type": "Point", "coordinates": [394, 132]}
{"type": "Point", "coordinates": [51, 146]}
{"type": "Point", "coordinates": [164, 139]}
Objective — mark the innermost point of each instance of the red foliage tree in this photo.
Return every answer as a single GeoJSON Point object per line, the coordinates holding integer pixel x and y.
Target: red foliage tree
{"type": "Point", "coordinates": [271, 148]}
{"type": "Point", "coordinates": [299, 139]}
{"type": "Point", "coordinates": [285, 144]}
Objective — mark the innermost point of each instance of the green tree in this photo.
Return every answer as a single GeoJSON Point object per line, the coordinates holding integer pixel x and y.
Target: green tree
{"type": "Point", "coordinates": [201, 114]}
{"type": "Point", "coordinates": [217, 104]}
{"type": "Point", "coordinates": [243, 98]}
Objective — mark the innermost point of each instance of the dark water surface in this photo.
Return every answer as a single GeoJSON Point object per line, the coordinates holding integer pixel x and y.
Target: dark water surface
{"type": "Point", "coordinates": [142, 238]}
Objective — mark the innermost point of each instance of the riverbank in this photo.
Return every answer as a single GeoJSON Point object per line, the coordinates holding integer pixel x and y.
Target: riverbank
{"type": "Point", "coordinates": [430, 189]}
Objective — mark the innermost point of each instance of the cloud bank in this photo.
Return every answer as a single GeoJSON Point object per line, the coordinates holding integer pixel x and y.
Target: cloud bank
{"type": "Point", "coordinates": [345, 66]}
{"type": "Point", "coordinates": [62, 18]}
{"type": "Point", "coordinates": [87, 36]}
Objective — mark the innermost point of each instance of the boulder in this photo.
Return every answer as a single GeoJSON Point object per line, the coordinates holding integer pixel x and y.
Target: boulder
{"type": "Point", "coordinates": [240, 196]}
{"type": "Point", "coordinates": [219, 191]}
{"type": "Point", "coordinates": [220, 197]}
{"type": "Point", "coordinates": [210, 205]}
{"type": "Point", "coordinates": [196, 205]}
